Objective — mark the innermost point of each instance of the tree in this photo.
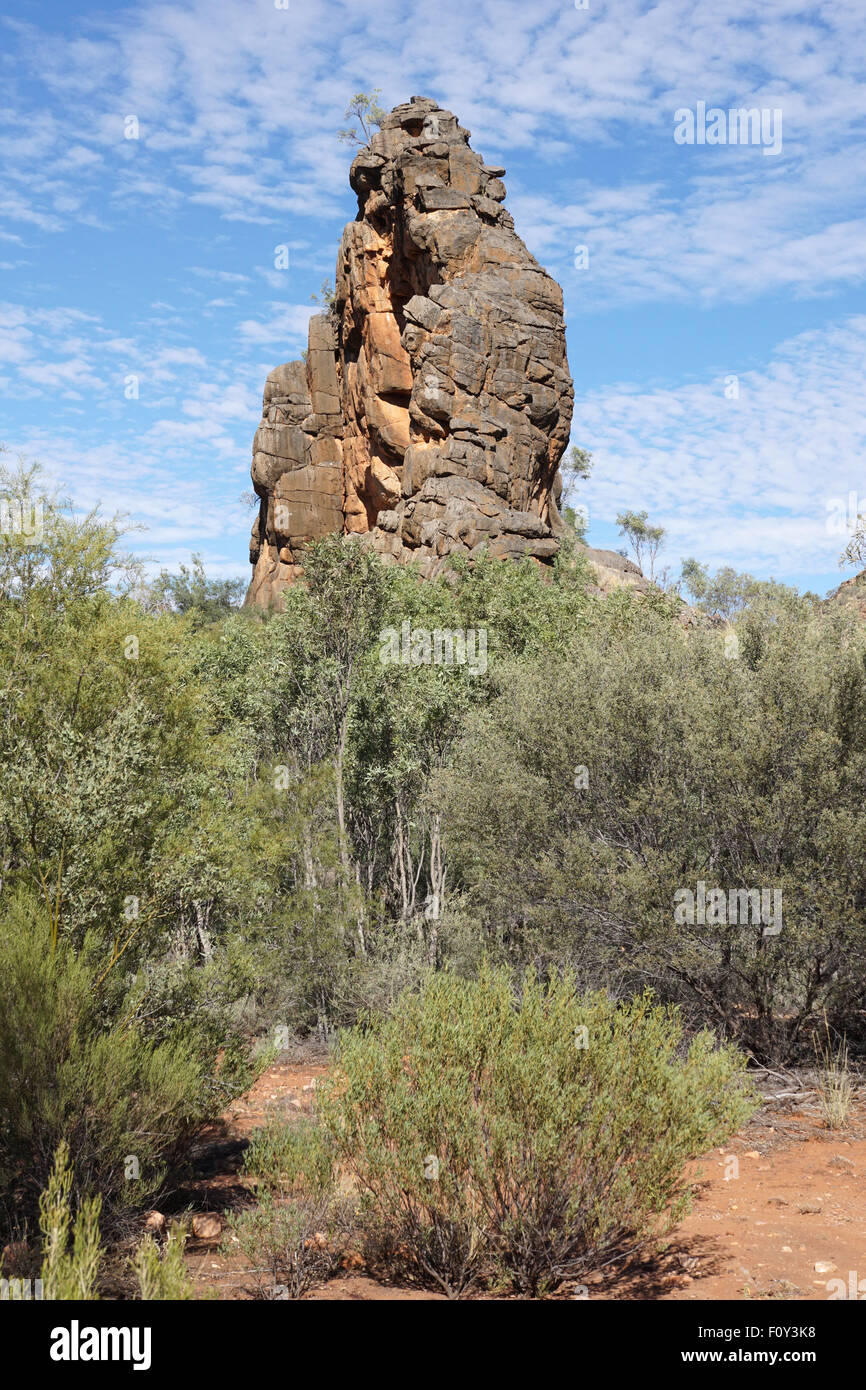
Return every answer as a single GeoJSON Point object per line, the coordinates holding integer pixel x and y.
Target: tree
{"type": "Point", "coordinates": [365, 109]}
{"type": "Point", "coordinates": [326, 630]}
{"type": "Point", "coordinates": [80, 715]}
{"type": "Point", "coordinates": [49, 557]}
{"type": "Point", "coordinates": [579, 462]}
{"type": "Point", "coordinates": [855, 550]}
{"type": "Point", "coordinates": [191, 592]}
{"type": "Point", "coordinates": [745, 775]}
{"type": "Point", "coordinates": [577, 465]}
{"type": "Point", "coordinates": [729, 592]}
{"type": "Point", "coordinates": [326, 296]}
{"type": "Point", "coordinates": [644, 539]}
{"type": "Point", "coordinates": [695, 577]}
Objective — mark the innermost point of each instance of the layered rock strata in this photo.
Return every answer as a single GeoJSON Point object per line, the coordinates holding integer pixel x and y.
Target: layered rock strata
{"type": "Point", "coordinates": [434, 404]}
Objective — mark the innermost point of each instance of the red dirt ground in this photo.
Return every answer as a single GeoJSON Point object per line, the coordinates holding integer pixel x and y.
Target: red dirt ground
{"type": "Point", "coordinates": [795, 1198]}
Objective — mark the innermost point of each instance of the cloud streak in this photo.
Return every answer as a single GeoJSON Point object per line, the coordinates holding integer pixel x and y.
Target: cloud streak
{"type": "Point", "coordinates": [746, 470]}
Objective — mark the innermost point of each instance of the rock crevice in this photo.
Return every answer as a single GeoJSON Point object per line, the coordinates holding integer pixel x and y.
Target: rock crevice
{"type": "Point", "coordinates": [435, 401]}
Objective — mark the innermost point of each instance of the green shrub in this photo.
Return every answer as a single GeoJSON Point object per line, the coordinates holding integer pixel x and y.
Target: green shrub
{"type": "Point", "coordinates": [68, 1273]}
{"type": "Point", "coordinates": [160, 1271]}
{"type": "Point", "coordinates": [124, 1105]}
{"type": "Point", "coordinates": [292, 1234]}
{"type": "Point", "coordinates": [291, 1245]}
{"type": "Point", "coordinates": [296, 1158]}
{"type": "Point", "coordinates": [545, 1135]}
{"type": "Point", "coordinates": [594, 789]}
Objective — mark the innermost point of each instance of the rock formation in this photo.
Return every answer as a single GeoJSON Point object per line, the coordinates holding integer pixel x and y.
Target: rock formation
{"type": "Point", "coordinates": [851, 594]}
{"type": "Point", "coordinates": [434, 404]}
{"type": "Point", "coordinates": [613, 571]}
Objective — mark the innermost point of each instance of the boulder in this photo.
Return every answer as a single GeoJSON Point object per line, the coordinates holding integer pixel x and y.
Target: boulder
{"type": "Point", "coordinates": [207, 1226]}
{"type": "Point", "coordinates": [155, 1223]}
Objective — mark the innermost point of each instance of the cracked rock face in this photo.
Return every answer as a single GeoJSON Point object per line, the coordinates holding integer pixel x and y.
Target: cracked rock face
{"type": "Point", "coordinates": [434, 405]}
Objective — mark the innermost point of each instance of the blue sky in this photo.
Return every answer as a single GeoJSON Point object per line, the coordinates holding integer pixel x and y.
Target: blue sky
{"type": "Point", "coordinates": [154, 257]}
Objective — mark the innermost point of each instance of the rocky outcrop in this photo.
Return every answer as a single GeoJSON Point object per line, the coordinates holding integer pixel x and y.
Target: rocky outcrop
{"type": "Point", "coordinates": [851, 594]}
{"type": "Point", "coordinates": [611, 571]}
{"type": "Point", "coordinates": [434, 405]}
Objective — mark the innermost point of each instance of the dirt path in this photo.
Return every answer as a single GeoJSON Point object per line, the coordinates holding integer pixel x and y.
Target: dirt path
{"type": "Point", "coordinates": [778, 1213]}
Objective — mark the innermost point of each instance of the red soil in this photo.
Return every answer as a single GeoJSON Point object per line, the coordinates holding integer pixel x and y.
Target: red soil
{"type": "Point", "coordinates": [794, 1199]}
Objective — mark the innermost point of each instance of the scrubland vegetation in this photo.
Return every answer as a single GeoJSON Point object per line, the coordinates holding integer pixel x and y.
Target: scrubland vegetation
{"type": "Point", "coordinates": [219, 829]}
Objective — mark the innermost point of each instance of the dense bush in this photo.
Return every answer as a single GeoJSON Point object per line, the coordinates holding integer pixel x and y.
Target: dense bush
{"type": "Point", "coordinates": [288, 1158]}
{"type": "Point", "coordinates": [123, 1104]}
{"type": "Point", "coordinates": [213, 822]}
{"type": "Point", "coordinates": [73, 1254]}
{"type": "Point", "coordinates": [543, 1135]}
{"type": "Point", "coordinates": [115, 1008]}
{"type": "Point", "coordinates": [595, 788]}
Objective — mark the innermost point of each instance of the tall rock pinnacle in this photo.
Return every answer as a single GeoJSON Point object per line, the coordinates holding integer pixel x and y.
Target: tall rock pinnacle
{"type": "Point", "coordinates": [434, 404]}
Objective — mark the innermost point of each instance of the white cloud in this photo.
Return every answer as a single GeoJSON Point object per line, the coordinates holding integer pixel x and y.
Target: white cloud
{"type": "Point", "coordinates": [749, 481]}
{"type": "Point", "coordinates": [238, 106]}
{"type": "Point", "coordinates": [227, 277]}
{"type": "Point", "coordinates": [286, 322]}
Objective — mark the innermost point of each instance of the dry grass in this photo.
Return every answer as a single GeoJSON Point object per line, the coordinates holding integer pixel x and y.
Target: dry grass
{"type": "Point", "coordinates": [835, 1082]}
